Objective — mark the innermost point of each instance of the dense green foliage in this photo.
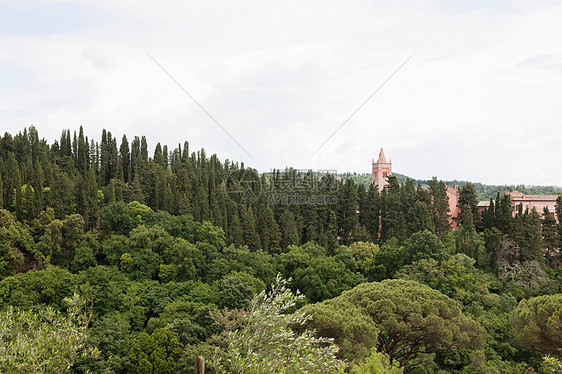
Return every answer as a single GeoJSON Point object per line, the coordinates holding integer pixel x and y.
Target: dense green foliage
{"type": "Point", "coordinates": [265, 343]}
{"type": "Point", "coordinates": [413, 320]}
{"type": "Point", "coordinates": [172, 249]}
{"type": "Point", "coordinates": [43, 341]}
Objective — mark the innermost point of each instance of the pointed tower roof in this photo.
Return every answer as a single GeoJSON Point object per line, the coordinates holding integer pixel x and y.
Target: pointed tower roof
{"type": "Point", "coordinates": [382, 159]}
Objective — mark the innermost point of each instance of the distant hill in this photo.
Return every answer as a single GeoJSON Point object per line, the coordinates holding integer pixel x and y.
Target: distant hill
{"type": "Point", "coordinates": [484, 191]}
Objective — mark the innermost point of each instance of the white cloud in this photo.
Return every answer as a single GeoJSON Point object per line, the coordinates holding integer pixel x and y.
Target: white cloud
{"type": "Point", "coordinates": [479, 100]}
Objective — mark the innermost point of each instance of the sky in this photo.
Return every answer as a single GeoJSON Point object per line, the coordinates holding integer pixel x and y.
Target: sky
{"type": "Point", "coordinates": [467, 90]}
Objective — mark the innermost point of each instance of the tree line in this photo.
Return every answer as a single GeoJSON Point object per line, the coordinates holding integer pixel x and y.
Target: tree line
{"type": "Point", "coordinates": [170, 250]}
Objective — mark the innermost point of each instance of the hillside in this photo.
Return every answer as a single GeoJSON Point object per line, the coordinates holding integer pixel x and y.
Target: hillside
{"type": "Point", "coordinates": [117, 259]}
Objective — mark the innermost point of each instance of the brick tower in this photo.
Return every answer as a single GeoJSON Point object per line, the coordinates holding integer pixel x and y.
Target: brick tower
{"type": "Point", "coordinates": [381, 170]}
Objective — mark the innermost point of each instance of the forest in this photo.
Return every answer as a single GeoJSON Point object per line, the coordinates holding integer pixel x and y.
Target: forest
{"type": "Point", "coordinates": [114, 259]}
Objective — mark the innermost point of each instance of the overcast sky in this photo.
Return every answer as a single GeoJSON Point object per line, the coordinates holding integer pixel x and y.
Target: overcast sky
{"type": "Point", "coordinates": [480, 100]}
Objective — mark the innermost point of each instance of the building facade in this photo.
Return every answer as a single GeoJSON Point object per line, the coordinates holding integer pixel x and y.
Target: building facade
{"type": "Point", "coordinates": [530, 202]}
{"type": "Point", "coordinates": [381, 171]}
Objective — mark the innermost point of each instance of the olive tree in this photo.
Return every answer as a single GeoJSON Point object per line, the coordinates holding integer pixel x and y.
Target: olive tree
{"type": "Point", "coordinates": [266, 343]}
{"type": "Point", "coordinates": [44, 341]}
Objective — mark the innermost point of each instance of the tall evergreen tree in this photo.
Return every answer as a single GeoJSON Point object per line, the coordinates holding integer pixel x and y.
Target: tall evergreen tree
{"type": "Point", "coordinates": [440, 202]}
{"type": "Point", "coordinates": [419, 218]}
{"type": "Point", "coordinates": [125, 155]}
{"type": "Point", "coordinates": [370, 210]}
{"type": "Point", "coordinates": [235, 234]}
{"type": "Point", "coordinates": [105, 172]}
{"type": "Point", "coordinates": [393, 220]}
{"type": "Point", "coordinates": [502, 213]}
{"type": "Point", "coordinates": [248, 219]}
{"type": "Point", "coordinates": [158, 156]}
{"type": "Point", "coordinates": [551, 238]}
{"type": "Point", "coordinates": [468, 199]}
{"type": "Point", "coordinates": [82, 153]}
{"type": "Point", "coordinates": [289, 230]}
{"type": "Point", "coordinates": [269, 231]}
{"type": "Point", "coordinates": [347, 207]}
{"type": "Point", "coordinates": [488, 220]}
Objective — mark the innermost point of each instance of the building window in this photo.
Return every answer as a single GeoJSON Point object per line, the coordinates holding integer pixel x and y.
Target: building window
{"type": "Point", "coordinates": [384, 174]}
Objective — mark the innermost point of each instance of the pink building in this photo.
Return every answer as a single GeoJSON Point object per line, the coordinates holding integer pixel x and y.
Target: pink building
{"type": "Point", "coordinates": [539, 202]}
{"type": "Point", "coordinates": [381, 170]}
{"type": "Point", "coordinates": [454, 210]}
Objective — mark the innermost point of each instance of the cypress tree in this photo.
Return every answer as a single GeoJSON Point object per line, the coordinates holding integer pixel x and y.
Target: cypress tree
{"type": "Point", "coordinates": [105, 173]}
{"type": "Point", "coordinates": [268, 230]}
{"type": "Point", "coordinates": [558, 208]}
{"type": "Point", "coordinates": [488, 216]}
{"type": "Point", "coordinates": [158, 156]}
{"type": "Point", "coordinates": [438, 191]}
{"type": "Point", "coordinates": [289, 230]}
{"type": "Point", "coordinates": [166, 156]}
{"type": "Point", "coordinates": [370, 210]}
{"type": "Point", "coordinates": [144, 150]}
{"type": "Point", "coordinates": [135, 158]}
{"type": "Point", "coordinates": [348, 209]}
{"type": "Point", "coordinates": [12, 179]}
{"type": "Point", "coordinates": [1, 184]}
{"type": "Point", "coordinates": [467, 199]}
{"type": "Point", "coordinates": [531, 245]}
{"type": "Point", "coordinates": [502, 213]}
{"type": "Point", "coordinates": [235, 234]}
{"type": "Point", "coordinates": [551, 238]}
{"type": "Point", "coordinates": [248, 219]}
{"type": "Point", "coordinates": [393, 220]}
{"type": "Point", "coordinates": [74, 148]}
{"type": "Point", "coordinates": [125, 155]}
{"type": "Point", "coordinates": [419, 218]}
{"type": "Point", "coordinates": [82, 153]}
{"type": "Point", "coordinates": [115, 162]}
